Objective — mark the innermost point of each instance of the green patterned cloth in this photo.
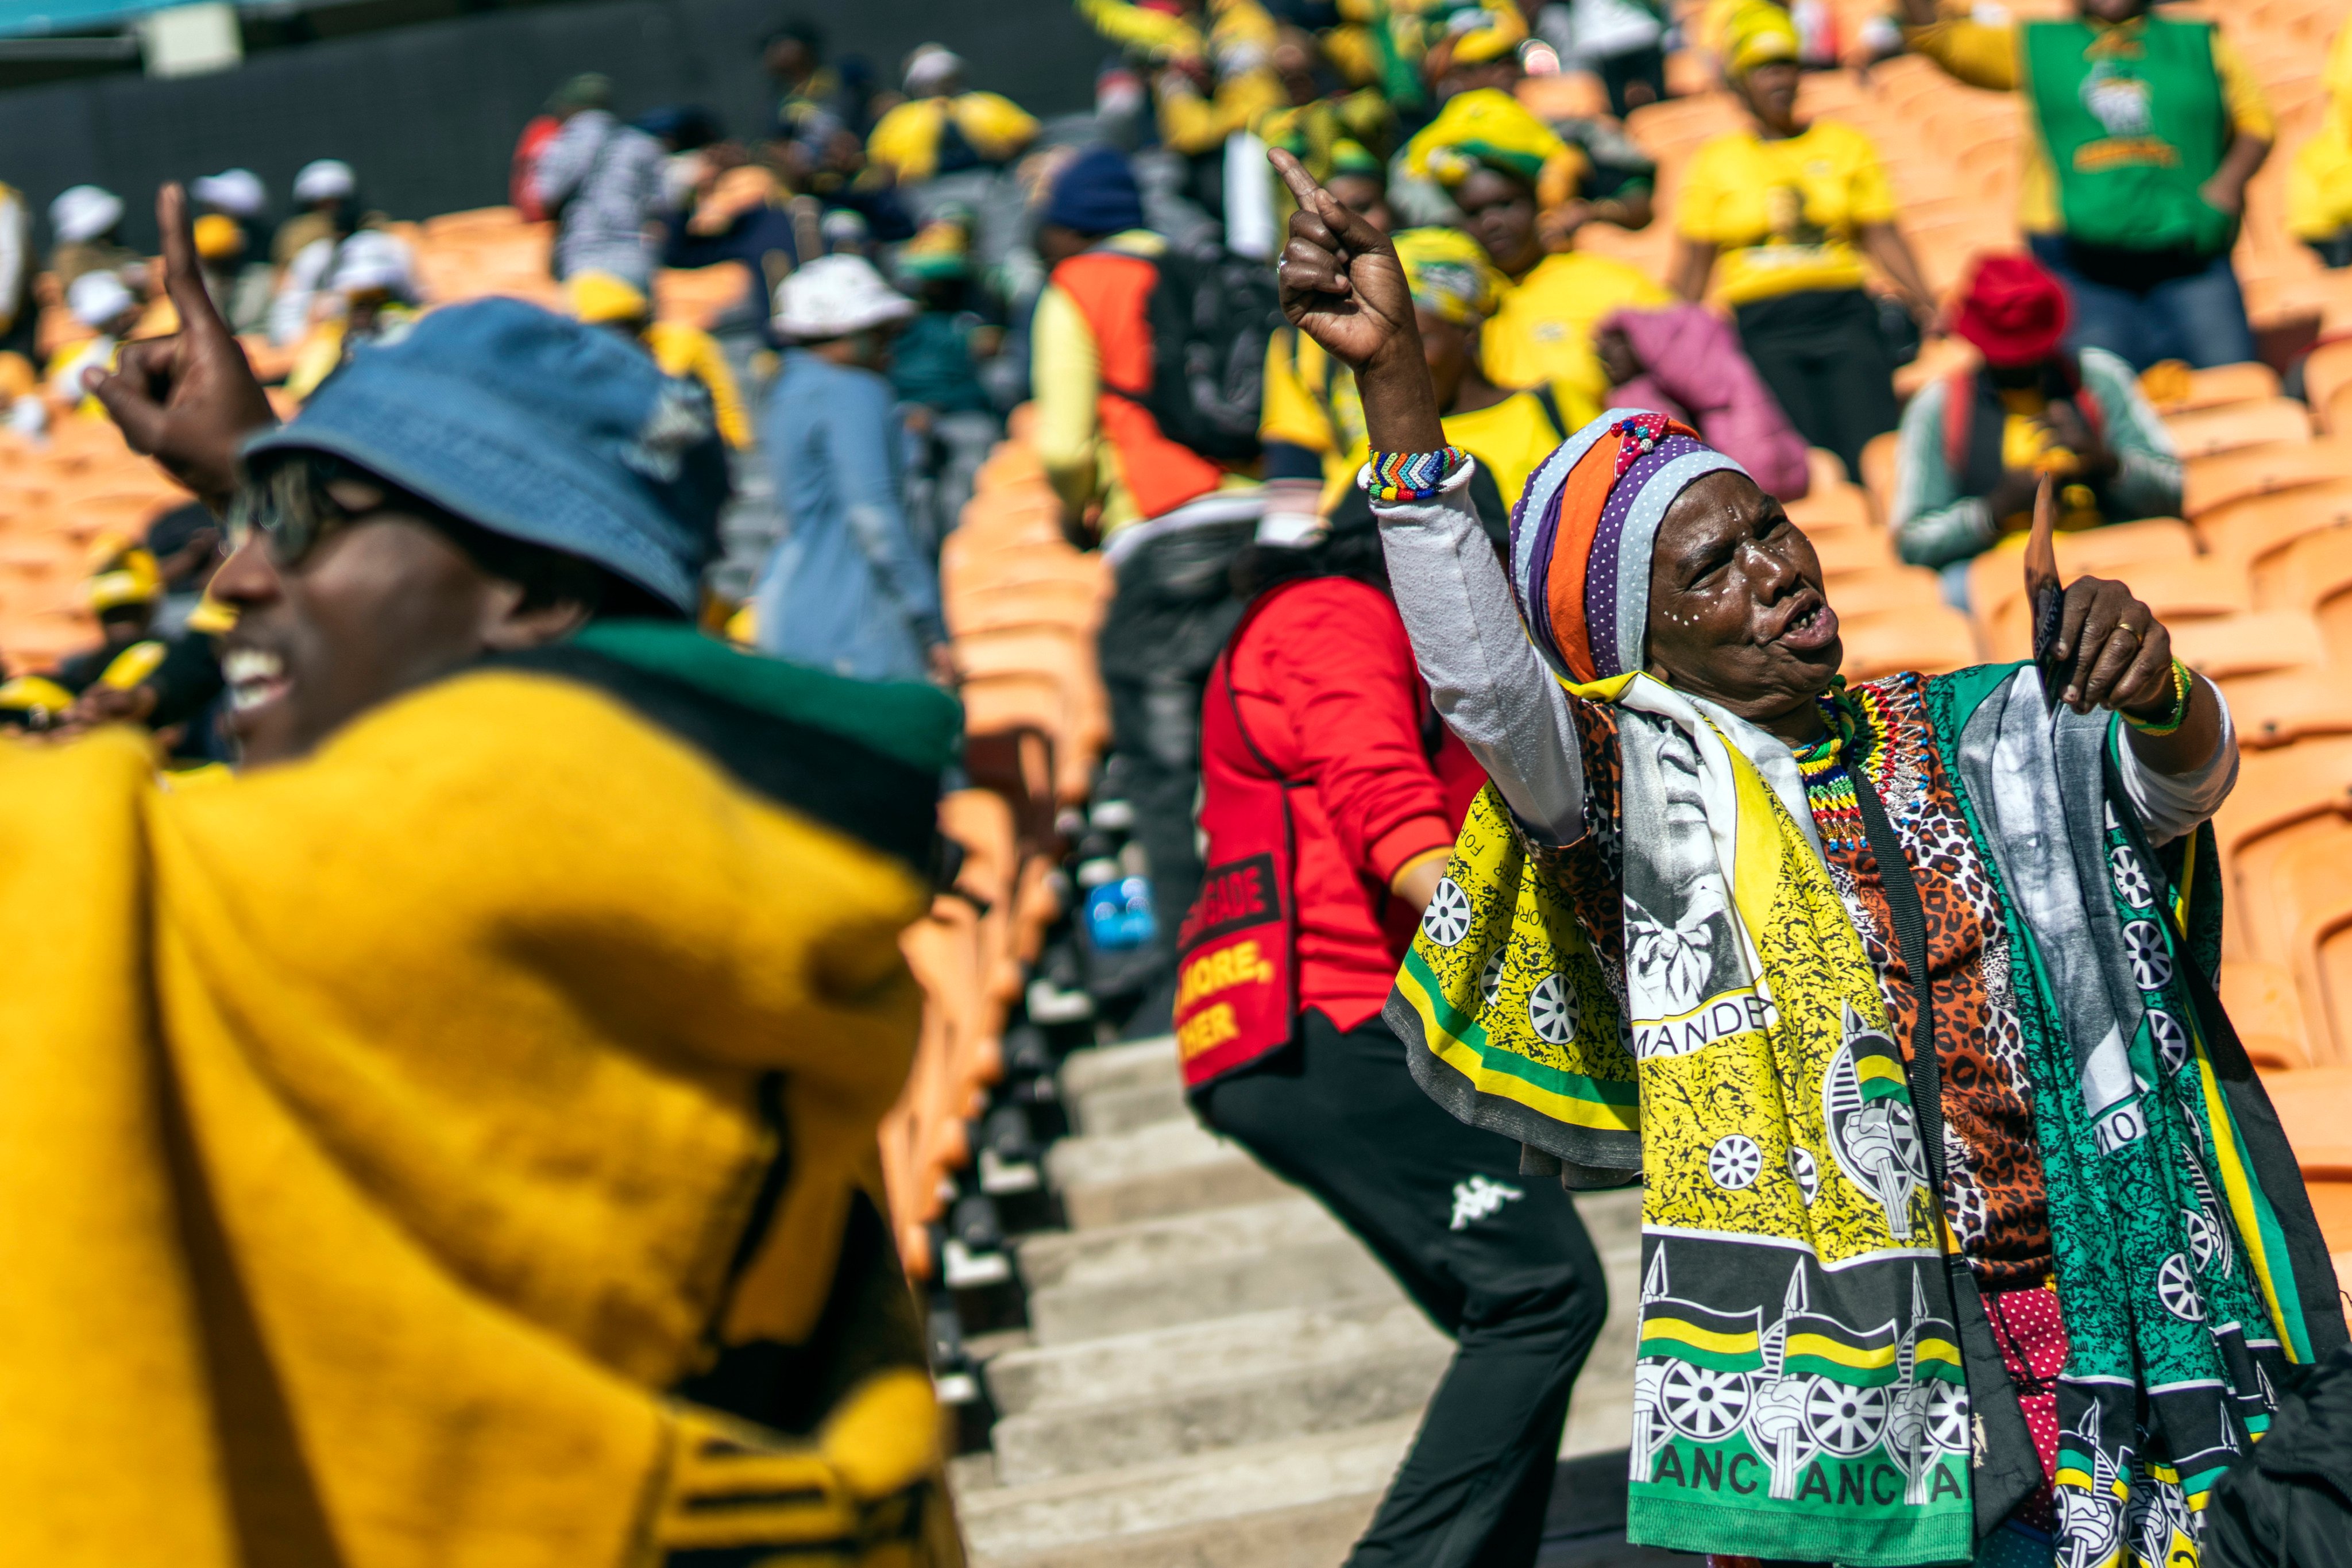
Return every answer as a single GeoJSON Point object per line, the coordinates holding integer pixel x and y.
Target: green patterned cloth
{"type": "Point", "coordinates": [1799, 1391]}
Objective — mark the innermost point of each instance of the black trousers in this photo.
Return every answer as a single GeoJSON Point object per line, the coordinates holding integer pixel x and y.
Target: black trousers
{"type": "Point", "coordinates": [1499, 1262]}
{"type": "Point", "coordinates": [1821, 353]}
{"type": "Point", "coordinates": [1167, 624]}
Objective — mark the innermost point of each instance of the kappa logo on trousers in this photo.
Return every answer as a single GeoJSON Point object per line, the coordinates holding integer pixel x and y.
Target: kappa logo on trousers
{"type": "Point", "coordinates": [1478, 1197]}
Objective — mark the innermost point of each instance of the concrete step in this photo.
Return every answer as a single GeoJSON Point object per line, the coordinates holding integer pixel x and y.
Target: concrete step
{"type": "Point", "coordinates": [1124, 1369]}
{"type": "Point", "coordinates": [1005, 1525]}
{"type": "Point", "coordinates": [1159, 1273]}
{"type": "Point", "coordinates": [1312, 1535]}
{"type": "Point", "coordinates": [1124, 1109]}
{"type": "Point", "coordinates": [1163, 1168]}
{"type": "Point", "coordinates": [1338, 1397]}
{"type": "Point", "coordinates": [1130, 1064]}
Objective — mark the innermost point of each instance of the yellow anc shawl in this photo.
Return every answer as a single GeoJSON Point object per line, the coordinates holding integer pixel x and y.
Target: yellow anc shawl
{"type": "Point", "coordinates": [387, 1137]}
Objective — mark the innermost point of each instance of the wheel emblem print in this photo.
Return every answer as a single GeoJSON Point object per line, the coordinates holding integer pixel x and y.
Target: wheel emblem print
{"type": "Point", "coordinates": [1701, 1403]}
{"type": "Point", "coordinates": [1734, 1161]}
{"type": "Point", "coordinates": [1551, 1008]}
{"type": "Point", "coordinates": [2131, 881]}
{"type": "Point", "coordinates": [2202, 1239]}
{"type": "Point", "coordinates": [1947, 1417]}
{"type": "Point", "coordinates": [1490, 979]}
{"type": "Point", "coordinates": [2151, 966]}
{"type": "Point", "coordinates": [1447, 919]}
{"type": "Point", "coordinates": [1844, 1421]}
{"type": "Point", "coordinates": [2171, 1040]}
{"type": "Point", "coordinates": [2176, 1287]}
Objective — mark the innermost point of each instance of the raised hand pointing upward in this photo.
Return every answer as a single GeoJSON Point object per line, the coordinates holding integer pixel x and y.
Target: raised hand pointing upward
{"type": "Point", "coordinates": [190, 400]}
{"type": "Point", "coordinates": [1342, 286]}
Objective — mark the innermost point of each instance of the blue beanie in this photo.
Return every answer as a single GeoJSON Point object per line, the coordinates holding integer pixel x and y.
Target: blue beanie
{"type": "Point", "coordinates": [1097, 194]}
{"type": "Point", "coordinates": [536, 427]}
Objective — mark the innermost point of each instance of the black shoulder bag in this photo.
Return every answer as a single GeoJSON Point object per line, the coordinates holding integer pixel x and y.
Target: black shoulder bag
{"type": "Point", "coordinates": [2005, 1468]}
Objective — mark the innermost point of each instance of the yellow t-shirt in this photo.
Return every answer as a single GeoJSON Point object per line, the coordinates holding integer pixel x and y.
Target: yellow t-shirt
{"type": "Point", "coordinates": [1783, 214]}
{"type": "Point", "coordinates": [1309, 401]}
{"type": "Point", "coordinates": [1542, 332]}
{"type": "Point", "coordinates": [1511, 438]}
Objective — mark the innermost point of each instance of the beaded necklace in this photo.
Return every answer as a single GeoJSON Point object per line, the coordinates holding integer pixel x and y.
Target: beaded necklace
{"type": "Point", "coordinates": [1852, 720]}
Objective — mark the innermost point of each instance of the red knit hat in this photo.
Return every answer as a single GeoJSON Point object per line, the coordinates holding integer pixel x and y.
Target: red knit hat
{"type": "Point", "coordinates": [2014, 312]}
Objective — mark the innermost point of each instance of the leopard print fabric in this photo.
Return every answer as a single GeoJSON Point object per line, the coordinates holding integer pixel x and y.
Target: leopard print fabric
{"type": "Point", "coordinates": [1993, 1188]}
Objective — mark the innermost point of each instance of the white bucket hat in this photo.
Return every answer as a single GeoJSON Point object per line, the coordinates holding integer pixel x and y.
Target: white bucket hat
{"type": "Point", "coordinates": [327, 179]}
{"type": "Point", "coordinates": [84, 212]}
{"type": "Point", "coordinates": [834, 295]}
{"type": "Point", "coordinates": [239, 192]}
{"type": "Point", "coordinates": [96, 299]}
{"type": "Point", "coordinates": [371, 259]}
{"type": "Point", "coordinates": [929, 69]}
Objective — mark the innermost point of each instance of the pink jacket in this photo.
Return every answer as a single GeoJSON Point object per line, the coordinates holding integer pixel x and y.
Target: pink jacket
{"type": "Point", "coordinates": [1692, 369]}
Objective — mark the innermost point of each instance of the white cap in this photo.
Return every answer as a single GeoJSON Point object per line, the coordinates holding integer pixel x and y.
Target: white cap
{"type": "Point", "coordinates": [372, 259]}
{"type": "Point", "coordinates": [328, 180]}
{"type": "Point", "coordinates": [84, 212]}
{"type": "Point", "coordinates": [239, 192]}
{"type": "Point", "coordinates": [834, 295]}
{"type": "Point", "coordinates": [97, 297]}
{"type": "Point", "coordinates": [931, 68]}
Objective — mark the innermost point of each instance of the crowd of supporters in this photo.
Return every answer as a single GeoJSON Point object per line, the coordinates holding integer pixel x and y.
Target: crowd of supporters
{"type": "Point", "coordinates": [925, 266]}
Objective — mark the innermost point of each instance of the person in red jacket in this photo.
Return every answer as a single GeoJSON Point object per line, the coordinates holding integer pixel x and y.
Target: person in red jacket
{"type": "Point", "coordinates": [1331, 795]}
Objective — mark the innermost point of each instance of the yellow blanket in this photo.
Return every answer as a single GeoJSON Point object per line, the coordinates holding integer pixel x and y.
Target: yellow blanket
{"type": "Point", "coordinates": [380, 1134]}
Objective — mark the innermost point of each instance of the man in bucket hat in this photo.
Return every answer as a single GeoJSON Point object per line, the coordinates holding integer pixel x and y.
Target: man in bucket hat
{"type": "Point", "coordinates": [452, 1139]}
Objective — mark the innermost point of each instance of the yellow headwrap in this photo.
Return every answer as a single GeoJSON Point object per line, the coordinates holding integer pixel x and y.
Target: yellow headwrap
{"type": "Point", "coordinates": [1483, 32]}
{"type": "Point", "coordinates": [1759, 33]}
{"type": "Point", "coordinates": [33, 697]}
{"type": "Point", "coordinates": [600, 296]}
{"type": "Point", "coordinates": [1448, 272]}
{"type": "Point", "coordinates": [129, 577]}
{"type": "Point", "coordinates": [1490, 128]}
{"type": "Point", "coordinates": [218, 237]}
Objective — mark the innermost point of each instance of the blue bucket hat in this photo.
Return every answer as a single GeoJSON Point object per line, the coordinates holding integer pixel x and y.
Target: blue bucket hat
{"type": "Point", "coordinates": [536, 427]}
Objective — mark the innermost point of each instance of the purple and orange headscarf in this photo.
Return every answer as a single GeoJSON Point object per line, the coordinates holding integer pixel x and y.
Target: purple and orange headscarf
{"type": "Point", "coordinates": [1583, 533]}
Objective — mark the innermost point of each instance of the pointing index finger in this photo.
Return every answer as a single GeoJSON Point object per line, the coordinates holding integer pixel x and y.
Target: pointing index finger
{"type": "Point", "coordinates": [1303, 188]}
{"type": "Point", "coordinates": [183, 280]}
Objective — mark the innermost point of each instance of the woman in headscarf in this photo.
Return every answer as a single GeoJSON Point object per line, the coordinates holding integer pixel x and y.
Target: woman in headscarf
{"type": "Point", "coordinates": [1517, 185]}
{"type": "Point", "coordinates": [1789, 207]}
{"type": "Point", "coordinates": [2009, 1264]}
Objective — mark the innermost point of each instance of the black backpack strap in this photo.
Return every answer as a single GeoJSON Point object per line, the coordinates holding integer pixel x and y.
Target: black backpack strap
{"type": "Point", "coordinates": [2005, 1466]}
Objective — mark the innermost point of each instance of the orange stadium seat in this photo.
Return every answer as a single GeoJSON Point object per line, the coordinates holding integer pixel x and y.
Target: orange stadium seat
{"type": "Point", "coordinates": [2314, 573]}
{"type": "Point", "coordinates": [2326, 371]}
{"type": "Point", "coordinates": [2281, 707]}
{"type": "Point", "coordinates": [1933, 639]}
{"type": "Point", "coordinates": [2220, 647]}
{"type": "Point", "coordinates": [2251, 529]}
{"type": "Point", "coordinates": [2222, 384]}
{"type": "Point", "coordinates": [2202, 432]}
{"type": "Point", "coordinates": [2309, 891]}
{"type": "Point", "coordinates": [2226, 477]}
{"type": "Point", "coordinates": [2266, 1012]}
{"type": "Point", "coordinates": [1878, 473]}
{"type": "Point", "coordinates": [1886, 589]}
{"type": "Point", "coordinates": [2281, 797]}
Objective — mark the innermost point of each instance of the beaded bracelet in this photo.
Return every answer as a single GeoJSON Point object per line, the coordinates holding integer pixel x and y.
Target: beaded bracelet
{"type": "Point", "coordinates": [2178, 714]}
{"type": "Point", "coordinates": [1409, 476]}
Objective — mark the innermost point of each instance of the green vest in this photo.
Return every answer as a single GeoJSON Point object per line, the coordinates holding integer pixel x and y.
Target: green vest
{"type": "Point", "coordinates": [2135, 122]}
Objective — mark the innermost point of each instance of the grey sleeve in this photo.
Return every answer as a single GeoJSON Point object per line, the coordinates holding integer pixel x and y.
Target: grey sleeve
{"type": "Point", "coordinates": [2171, 806]}
{"type": "Point", "coordinates": [1482, 674]}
